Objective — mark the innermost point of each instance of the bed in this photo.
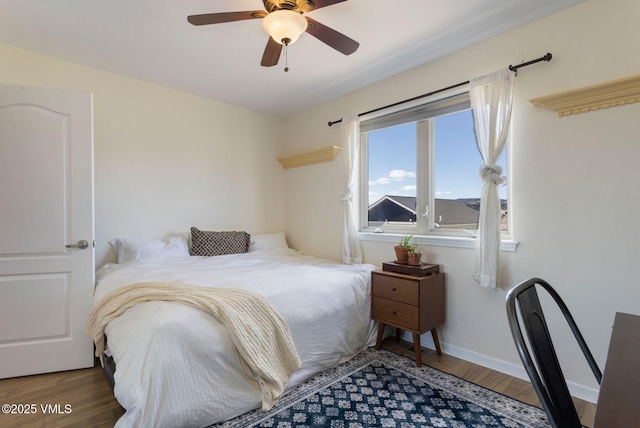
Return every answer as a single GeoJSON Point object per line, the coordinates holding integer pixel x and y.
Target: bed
{"type": "Point", "coordinates": [176, 365]}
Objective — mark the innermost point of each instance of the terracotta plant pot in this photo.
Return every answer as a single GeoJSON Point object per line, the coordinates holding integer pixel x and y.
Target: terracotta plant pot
{"type": "Point", "coordinates": [401, 254]}
{"type": "Point", "coordinates": [414, 258]}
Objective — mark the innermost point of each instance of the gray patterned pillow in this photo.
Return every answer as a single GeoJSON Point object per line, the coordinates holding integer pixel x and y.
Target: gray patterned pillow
{"type": "Point", "coordinates": [204, 243]}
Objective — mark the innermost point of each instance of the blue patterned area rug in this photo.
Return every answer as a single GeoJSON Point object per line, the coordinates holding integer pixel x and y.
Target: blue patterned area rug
{"type": "Point", "coordinates": [383, 389]}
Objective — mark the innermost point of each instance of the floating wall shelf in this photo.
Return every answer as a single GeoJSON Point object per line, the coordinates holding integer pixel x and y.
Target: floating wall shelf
{"type": "Point", "coordinates": [604, 95]}
{"type": "Point", "coordinates": [325, 154]}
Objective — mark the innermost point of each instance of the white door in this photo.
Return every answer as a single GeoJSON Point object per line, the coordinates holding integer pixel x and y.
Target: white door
{"type": "Point", "coordinates": [46, 203]}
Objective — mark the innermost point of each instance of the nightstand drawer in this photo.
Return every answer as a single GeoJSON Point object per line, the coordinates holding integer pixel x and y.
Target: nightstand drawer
{"type": "Point", "coordinates": [395, 313]}
{"type": "Point", "coordinates": [398, 289]}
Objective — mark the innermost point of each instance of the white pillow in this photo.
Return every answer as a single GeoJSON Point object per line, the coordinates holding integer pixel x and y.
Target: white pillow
{"type": "Point", "coordinates": [267, 241]}
{"type": "Point", "coordinates": [128, 249]}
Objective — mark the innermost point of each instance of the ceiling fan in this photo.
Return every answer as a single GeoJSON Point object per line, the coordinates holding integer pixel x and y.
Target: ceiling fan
{"type": "Point", "coordinates": [284, 21]}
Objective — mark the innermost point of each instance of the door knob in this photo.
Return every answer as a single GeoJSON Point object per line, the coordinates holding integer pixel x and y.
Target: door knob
{"type": "Point", "coordinates": [81, 244]}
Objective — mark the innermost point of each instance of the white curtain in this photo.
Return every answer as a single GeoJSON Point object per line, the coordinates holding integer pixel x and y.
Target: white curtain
{"type": "Point", "coordinates": [491, 100]}
{"type": "Point", "coordinates": [351, 250]}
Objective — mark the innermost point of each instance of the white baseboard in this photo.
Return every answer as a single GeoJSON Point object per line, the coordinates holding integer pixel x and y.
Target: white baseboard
{"type": "Point", "coordinates": [577, 390]}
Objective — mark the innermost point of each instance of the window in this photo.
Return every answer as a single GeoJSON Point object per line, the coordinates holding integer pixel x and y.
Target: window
{"type": "Point", "coordinates": [419, 171]}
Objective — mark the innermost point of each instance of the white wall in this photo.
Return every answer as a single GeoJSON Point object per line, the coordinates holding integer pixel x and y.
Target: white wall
{"type": "Point", "coordinates": [575, 181]}
{"type": "Point", "coordinates": [167, 160]}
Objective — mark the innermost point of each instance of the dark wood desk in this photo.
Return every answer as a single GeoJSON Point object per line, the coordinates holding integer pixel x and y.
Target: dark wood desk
{"type": "Point", "coordinates": [619, 399]}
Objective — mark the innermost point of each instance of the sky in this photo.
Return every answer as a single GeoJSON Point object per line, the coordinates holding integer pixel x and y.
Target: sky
{"type": "Point", "coordinates": [392, 160]}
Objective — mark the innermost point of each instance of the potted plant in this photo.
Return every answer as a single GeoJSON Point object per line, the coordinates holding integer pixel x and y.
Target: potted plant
{"type": "Point", "coordinates": [413, 256]}
{"type": "Point", "coordinates": [402, 250]}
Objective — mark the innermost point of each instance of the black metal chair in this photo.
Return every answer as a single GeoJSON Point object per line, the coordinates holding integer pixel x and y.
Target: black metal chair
{"type": "Point", "coordinates": [546, 375]}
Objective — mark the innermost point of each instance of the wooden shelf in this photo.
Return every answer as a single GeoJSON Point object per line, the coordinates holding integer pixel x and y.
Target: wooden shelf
{"type": "Point", "coordinates": [325, 154]}
{"type": "Point", "coordinates": [589, 98]}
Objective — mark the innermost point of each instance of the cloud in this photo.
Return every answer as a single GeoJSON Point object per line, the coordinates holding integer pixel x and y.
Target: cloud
{"type": "Point", "coordinates": [394, 175]}
{"type": "Point", "coordinates": [410, 187]}
{"type": "Point", "coordinates": [381, 180]}
{"type": "Point", "coordinates": [440, 192]}
{"type": "Point", "coordinates": [401, 174]}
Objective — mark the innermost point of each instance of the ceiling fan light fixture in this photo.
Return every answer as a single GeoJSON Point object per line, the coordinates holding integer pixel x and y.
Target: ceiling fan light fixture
{"type": "Point", "coordinates": [284, 24]}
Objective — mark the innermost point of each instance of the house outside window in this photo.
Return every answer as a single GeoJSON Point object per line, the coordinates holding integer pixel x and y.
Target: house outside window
{"type": "Point", "coordinates": [419, 171]}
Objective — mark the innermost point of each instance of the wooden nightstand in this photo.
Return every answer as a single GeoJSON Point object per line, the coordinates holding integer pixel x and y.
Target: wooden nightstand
{"type": "Point", "coordinates": [407, 302]}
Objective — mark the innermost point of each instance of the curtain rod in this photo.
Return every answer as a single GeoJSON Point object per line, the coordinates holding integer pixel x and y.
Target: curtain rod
{"type": "Point", "coordinates": [513, 68]}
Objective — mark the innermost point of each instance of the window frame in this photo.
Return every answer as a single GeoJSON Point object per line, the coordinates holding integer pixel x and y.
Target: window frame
{"type": "Point", "coordinates": [424, 229]}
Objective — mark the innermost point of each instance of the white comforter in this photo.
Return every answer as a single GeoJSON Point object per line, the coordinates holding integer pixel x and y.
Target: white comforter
{"type": "Point", "coordinates": [177, 367]}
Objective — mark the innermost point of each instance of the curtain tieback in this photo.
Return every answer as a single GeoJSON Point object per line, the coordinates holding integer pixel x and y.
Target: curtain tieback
{"type": "Point", "coordinates": [492, 173]}
{"type": "Point", "coordinates": [347, 195]}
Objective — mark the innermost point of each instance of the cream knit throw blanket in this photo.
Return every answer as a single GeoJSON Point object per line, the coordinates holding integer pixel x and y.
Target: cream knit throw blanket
{"type": "Point", "coordinates": [260, 335]}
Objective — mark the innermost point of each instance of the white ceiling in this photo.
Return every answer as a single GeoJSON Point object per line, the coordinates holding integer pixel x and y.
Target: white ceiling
{"type": "Point", "coordinates": [151, 40]}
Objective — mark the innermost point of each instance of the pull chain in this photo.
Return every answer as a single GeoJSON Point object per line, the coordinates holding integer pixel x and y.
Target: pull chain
{"type": "Point", "coordinates": [286, 55]}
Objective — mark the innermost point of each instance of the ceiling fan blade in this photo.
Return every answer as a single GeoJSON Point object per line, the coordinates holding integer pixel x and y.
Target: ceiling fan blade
{"type": "Point", "coordinates": [317, 4]}
{"type": "Point", "coordinates": [271, 54]}
{"type": "Point", "coordinates": [219, 18]}
{"type": "Point", "coordinates": [333, 38]}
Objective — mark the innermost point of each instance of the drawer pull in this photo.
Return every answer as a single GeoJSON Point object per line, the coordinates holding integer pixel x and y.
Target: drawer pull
{"type": "Point", "coordinates": [393, 313]}
{"type": "Point", "coordinates": [394, 289]}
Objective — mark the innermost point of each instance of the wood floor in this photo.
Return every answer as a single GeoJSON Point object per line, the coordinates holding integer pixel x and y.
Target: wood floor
{"type": "Point", "coordinates": [86, 391]}
{"type": "Point", "coordinates": [92, 403]}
